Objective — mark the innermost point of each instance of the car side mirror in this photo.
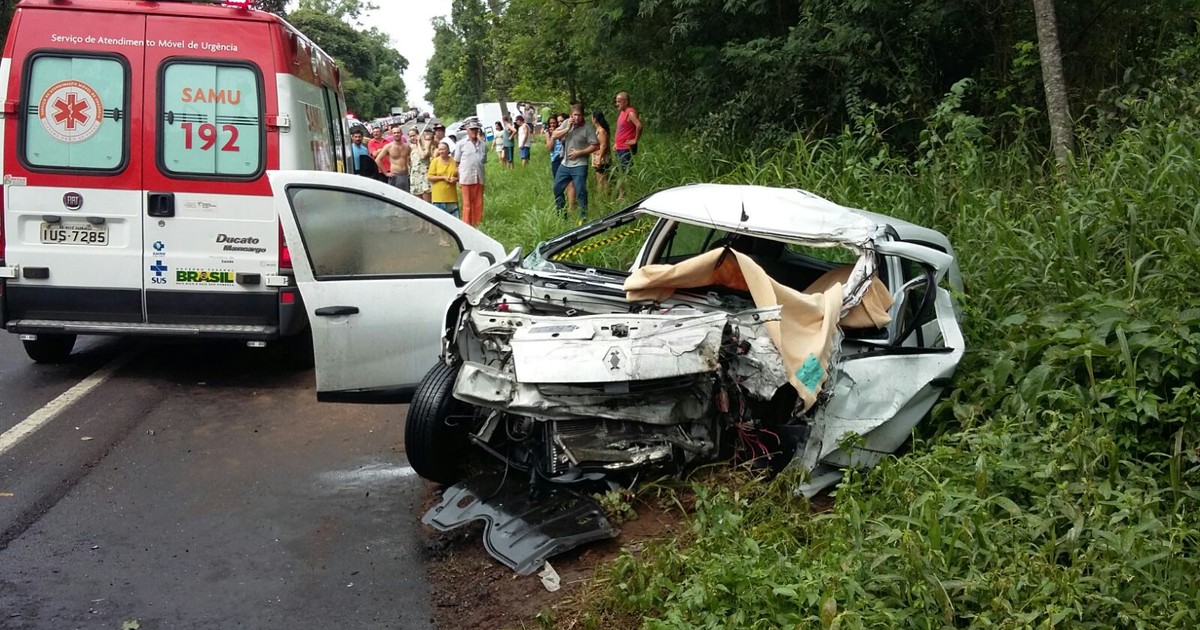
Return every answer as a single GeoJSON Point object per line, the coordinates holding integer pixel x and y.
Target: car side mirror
{"type": "Point", "coordinates": [469, 265]}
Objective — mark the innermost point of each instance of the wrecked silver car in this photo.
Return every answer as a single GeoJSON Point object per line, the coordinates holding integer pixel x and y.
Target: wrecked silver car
{"type": "Point", "coordinates": [704, 322]}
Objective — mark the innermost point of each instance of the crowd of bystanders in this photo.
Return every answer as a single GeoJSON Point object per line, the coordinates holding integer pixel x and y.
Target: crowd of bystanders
{"type": "Point", "coordinates": [437, 168]}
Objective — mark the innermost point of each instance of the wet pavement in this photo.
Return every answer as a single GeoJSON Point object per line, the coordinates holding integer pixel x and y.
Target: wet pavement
{"type": "Point", "coordinates": [202, 486]}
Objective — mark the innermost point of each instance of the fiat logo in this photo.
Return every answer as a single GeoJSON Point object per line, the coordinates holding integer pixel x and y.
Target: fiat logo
{"type": "Point", "coordinates": [73, 200]}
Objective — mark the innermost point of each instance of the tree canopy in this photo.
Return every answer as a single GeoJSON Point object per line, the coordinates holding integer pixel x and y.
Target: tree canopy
{"type": "Point", "coordinates": [745, 68]}
{"type": "Point", "coordinates": [371, 70]}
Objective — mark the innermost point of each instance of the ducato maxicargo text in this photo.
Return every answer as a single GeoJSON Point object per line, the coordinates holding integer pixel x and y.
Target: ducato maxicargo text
{"type": "Point", "coordinates": [136, 141]}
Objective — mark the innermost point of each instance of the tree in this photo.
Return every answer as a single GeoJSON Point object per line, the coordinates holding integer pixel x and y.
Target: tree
{"type": "Point", "coordinates": [7, 8]}
{"type": "Point", "coordinates": [340, 9]}
{"type": "Point", "coordinates": [445, 76]}
{"type": "Point", "coordinates": [497, 8]}
{"type": "Point", "coordinates": [537, 68]}
{"type": "Point", "coordinates": [1062, 138]}
{"type": "Point", "coordinates": [278, 7]}
{"type": "Point", "coordinates": [372, 71]}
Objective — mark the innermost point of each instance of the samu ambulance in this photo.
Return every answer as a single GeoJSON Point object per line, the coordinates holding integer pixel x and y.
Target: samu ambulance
{"type": "Point", "coordinates": [136, 140]}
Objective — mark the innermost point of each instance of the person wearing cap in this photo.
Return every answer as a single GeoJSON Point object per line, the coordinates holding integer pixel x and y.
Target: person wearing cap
{"type": "Point", "coordinates": [439, 134]}
{"type": "Point", "coordinates": [443, 175]}
{"type": "Point", "coordinates": [472, 156]}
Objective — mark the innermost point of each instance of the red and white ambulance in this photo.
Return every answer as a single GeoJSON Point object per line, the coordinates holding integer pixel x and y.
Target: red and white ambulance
{"type": "Point", "coordinates": [136, 138]}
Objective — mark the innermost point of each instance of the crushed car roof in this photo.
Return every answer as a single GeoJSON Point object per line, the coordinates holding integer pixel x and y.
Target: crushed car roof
{"type": "Point", "coordinates": [780, 212]}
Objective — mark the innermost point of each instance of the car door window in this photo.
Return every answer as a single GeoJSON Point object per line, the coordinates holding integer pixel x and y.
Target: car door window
{"type": "Point", "coordinates": [687, 240]}
{"type": "Point", "coordinates": [349, 234]}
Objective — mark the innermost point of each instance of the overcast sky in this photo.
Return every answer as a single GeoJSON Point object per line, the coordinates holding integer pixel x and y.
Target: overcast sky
{"type": "Point", "coordinates": [408, 24]}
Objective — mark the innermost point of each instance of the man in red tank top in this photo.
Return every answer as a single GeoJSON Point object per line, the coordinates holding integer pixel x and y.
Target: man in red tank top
{"type": "Point", "coordinates": [629, 130]}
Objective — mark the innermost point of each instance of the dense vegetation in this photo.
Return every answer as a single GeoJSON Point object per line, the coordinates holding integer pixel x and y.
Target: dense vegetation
{"type": "Point", "coordinates": [1056, 485]}
{"type": "Point", "coordinates": [741, 69]}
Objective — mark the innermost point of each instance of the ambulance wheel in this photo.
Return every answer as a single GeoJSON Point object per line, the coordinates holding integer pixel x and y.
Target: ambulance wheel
{"type": "Point", "coordinates": [50, 348]}
{"type": "Point", "coordinates": [435, 432]}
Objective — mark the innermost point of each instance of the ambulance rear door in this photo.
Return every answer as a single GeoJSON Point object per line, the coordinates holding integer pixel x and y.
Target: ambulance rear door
{"type": "Point", "coordinates": [72, 175]}
{"type": "Point", "coordinates": [211, 237]}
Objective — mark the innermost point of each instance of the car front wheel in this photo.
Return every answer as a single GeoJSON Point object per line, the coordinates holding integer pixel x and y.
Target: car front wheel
{"type": "Point", "coordinates": [50, 348]}
{"type": "Point", "coordinates": [435, 432]}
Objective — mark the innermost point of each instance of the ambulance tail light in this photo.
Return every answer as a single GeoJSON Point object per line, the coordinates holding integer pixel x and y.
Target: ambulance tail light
{"type": "Point", "coordinates": [285, 255]}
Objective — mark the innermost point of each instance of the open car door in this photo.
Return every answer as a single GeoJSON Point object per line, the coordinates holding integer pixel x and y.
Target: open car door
{"type": "Point", "coordinates": [374, 267]}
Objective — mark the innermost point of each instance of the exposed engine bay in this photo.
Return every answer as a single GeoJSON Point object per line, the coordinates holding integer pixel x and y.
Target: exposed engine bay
{"type": "Point", "coordinates": [574, 384]}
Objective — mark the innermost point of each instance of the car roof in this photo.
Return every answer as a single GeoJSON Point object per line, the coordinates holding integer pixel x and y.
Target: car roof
{"type": "Point", "coordinates": [781, 212]}
{"type": "Point", "coordinates": [788, 213]}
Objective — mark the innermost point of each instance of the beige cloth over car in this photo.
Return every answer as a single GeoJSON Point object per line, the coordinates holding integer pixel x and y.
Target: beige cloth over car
{"type": "Point", "coordinates": [807, 321]}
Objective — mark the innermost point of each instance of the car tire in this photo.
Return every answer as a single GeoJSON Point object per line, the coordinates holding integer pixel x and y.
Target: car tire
{"type": "Point", "coordinates": [437, 449]}
{"type": "Point", "coordinates": [50, 348]}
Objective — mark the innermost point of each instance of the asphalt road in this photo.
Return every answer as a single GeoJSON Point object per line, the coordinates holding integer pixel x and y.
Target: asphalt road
{"type": "Point", "coordinates": [202, 486]}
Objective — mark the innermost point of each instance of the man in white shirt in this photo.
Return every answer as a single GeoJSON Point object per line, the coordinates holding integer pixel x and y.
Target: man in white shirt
{"type": "Point", "coordinates": [471, 158]}
{"type": "Point", "coordinates": [523, 140]}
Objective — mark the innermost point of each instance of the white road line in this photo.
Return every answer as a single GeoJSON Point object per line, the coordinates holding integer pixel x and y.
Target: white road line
{"type": "Point", "coordinates": [39, 418]}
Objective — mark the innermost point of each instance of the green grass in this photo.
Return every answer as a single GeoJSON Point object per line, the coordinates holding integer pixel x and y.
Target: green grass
{"type": "Point", "coordinates": [1055, 486]}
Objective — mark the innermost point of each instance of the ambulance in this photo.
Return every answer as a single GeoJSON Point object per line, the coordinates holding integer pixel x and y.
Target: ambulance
{"type": "Point", "coordinates": [136, 141]}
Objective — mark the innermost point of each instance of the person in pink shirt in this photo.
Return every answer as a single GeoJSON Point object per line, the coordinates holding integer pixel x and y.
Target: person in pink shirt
{"type": "Point", "coordinates": [629, 131]}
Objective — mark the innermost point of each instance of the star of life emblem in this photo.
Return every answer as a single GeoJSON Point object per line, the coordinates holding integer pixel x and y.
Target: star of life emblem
{"type": "Point", "coordinates": [71, 111]}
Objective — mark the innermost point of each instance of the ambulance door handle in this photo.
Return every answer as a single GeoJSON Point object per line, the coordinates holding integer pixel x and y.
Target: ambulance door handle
{"type": "Point", "coordinates": [161, 205]}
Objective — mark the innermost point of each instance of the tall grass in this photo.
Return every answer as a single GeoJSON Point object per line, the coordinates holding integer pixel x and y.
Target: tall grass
{"type": "Point", "coordinates": [1056, 483]}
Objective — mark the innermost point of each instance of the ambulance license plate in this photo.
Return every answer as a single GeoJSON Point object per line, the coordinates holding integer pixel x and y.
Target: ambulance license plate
{"type": "Point", "coordinates": [74, 234]}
